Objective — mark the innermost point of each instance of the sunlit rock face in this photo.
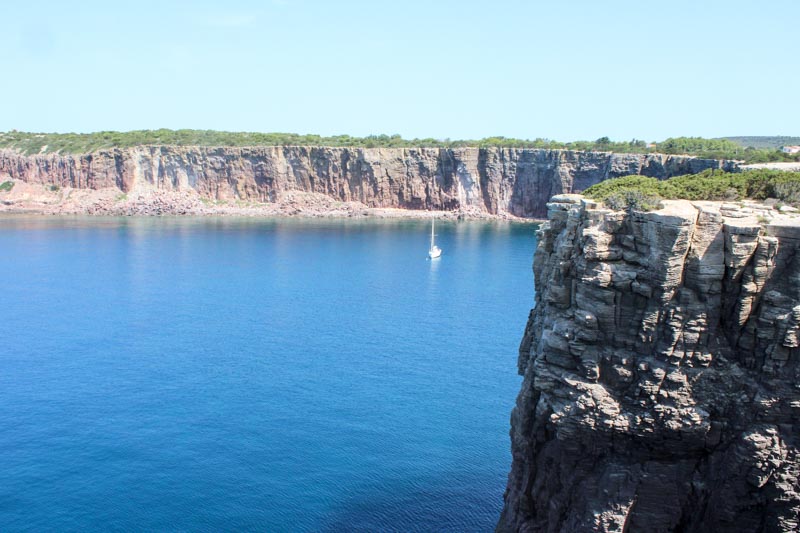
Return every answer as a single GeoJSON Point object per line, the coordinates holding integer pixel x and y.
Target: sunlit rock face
{"type": "Point", "coordinates": [661, 383]}
{"type": "Point", "coordinates": [496, 181]}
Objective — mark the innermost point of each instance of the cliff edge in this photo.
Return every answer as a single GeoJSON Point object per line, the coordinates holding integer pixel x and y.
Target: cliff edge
{"type": "Point", "coordinates": [661, 370]}
{"type": "Point", "coordinates": [494, 181]}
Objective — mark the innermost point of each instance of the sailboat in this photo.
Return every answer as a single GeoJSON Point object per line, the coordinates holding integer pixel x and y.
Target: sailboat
{"type": "Point", "coordinates": [434, 251]}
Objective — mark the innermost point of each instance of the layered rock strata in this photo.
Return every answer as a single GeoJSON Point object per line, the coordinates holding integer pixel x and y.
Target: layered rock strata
{"type": "Point", "coordinates": [496, 181]}
{"type": "Point", "coordinates": [661, 370]}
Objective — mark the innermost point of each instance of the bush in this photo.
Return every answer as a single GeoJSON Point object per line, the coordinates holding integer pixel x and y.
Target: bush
{"type": "Point", "coordinates": [607, 188]}
{"type": "Point", "coordinates": [6, 186]}
{"type": "Point", "coordinates": [633, 200]}
{"type": "Point", "coordinates": [787, 191]}
{"type": "Point", "coordinates": [75, 143]}
{"type": "Point", "coordinates": [639, 192]}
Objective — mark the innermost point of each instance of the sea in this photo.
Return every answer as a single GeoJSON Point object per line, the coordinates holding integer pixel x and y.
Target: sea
{"type": "Point", "coordinates": [225, 374]}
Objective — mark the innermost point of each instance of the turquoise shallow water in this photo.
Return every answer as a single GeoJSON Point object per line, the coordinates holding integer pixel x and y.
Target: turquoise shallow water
{"type": "Point", "coordinates": [225, 374]}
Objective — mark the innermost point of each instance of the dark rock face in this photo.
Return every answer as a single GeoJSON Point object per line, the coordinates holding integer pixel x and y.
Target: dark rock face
{"type": "Point", "coordinates": [491, 180]}
{"type": "Point", "coordinates": [661, 373]}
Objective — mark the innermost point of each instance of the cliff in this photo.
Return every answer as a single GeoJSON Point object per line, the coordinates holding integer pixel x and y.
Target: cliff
{"type": "Point", "coordinates": [488, 180]}
{"type": "Point", "coordinates": [661, 370]}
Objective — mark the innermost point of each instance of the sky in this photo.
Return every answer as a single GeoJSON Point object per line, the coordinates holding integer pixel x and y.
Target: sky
{"type": "Point", "coordinates": [560, 69]}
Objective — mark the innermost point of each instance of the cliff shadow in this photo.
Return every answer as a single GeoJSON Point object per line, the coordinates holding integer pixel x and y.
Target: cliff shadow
{"type": "Point", "coordinates": [448, 501]}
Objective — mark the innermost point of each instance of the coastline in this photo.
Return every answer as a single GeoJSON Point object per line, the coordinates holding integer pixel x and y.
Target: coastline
{"type": "Point", "coordinates": [37, 199]}
{"type": "Point", "coordinates": [314, 180]}
{"type": "Point", "coordinates": [783, 165]}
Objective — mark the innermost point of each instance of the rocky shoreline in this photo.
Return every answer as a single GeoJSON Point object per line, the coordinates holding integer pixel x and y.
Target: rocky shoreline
{"type": "Point", "coordinates": [34, 198]}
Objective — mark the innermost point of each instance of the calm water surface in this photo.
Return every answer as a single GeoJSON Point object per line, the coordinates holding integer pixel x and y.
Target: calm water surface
{"type": "Point", "coordinates": [226, 374]}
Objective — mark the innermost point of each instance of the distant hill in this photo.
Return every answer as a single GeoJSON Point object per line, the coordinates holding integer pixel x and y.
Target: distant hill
{"type": "Point", "coordinates": [764, 141]}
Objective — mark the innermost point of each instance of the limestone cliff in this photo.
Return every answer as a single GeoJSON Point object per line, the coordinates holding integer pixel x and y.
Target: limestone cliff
{"type": "Point", "coordinates": [661, 370]}
{"type": "Point", "coordinates": [490, 180]}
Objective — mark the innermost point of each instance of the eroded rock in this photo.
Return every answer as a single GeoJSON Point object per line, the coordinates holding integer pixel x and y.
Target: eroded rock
{"type": "Point", "coordinates": [661, 385]}
{"type": "Point", "coordinates": [518, 182]}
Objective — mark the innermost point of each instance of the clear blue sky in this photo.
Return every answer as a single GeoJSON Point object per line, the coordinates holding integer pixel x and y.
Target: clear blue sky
{"type": "Point", "coordinates": [567, 70]}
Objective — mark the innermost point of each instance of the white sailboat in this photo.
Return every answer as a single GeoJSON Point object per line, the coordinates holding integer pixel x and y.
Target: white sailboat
{"type": "Point", "coordinates": [434, 250]}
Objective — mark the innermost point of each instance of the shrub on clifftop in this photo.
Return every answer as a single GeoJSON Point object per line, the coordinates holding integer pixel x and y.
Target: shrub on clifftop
{"type": "Point", "coordinates": [634, 192]}
{"type": "Point", "coordinates": [31, 143]}
{"type": "Point", "coordinates": [634, 199]}
{"type": "Point", "coordinates": [639, 192]}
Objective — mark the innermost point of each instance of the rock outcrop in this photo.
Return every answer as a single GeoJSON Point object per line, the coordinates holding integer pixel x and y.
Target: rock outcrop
{"type": "Point", "coordinates": [496, 181]}
{"type": "Point", "coordinates": [661, 370]}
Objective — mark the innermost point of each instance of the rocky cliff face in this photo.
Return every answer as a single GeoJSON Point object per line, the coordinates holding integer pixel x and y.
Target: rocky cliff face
{"type": "Point", "coordinates": [661, 372]}
{"type": "Point", "coordinates": [491, 180]}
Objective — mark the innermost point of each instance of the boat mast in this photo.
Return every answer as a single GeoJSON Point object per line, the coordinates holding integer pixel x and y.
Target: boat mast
{"type": "Point", "coordinates": [433, 221]}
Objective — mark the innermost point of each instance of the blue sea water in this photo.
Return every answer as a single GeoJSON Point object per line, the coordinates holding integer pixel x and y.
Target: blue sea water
{"type": "Point", "coordinates": [274, 375]}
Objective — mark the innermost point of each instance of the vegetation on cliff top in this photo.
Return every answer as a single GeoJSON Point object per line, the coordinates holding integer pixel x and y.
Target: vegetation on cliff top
{"type": "Point", "coordinates": [33, 143]}
{"type": "Point", "coordinates": [75, 143]}
{"type": "Point", "coordinates": [639, 192]}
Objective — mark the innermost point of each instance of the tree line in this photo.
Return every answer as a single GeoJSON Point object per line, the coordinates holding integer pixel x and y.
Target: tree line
{"type": "Point", "coordinates": [74, 143]}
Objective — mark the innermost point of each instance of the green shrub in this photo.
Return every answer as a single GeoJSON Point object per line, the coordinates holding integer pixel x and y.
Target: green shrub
{"type": "Point", "coordinates": [607, 188]}
{"type": "Point", "coordinates": [787, 191]}
{"type": "Point", "coordinates": [634, 200]}
{"type": "Point", "coordinates": [6, 186]}
{"type": "Point", "coordinates": [632, 191]}
{"type": "Point", "coordinates": [76, 143]}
